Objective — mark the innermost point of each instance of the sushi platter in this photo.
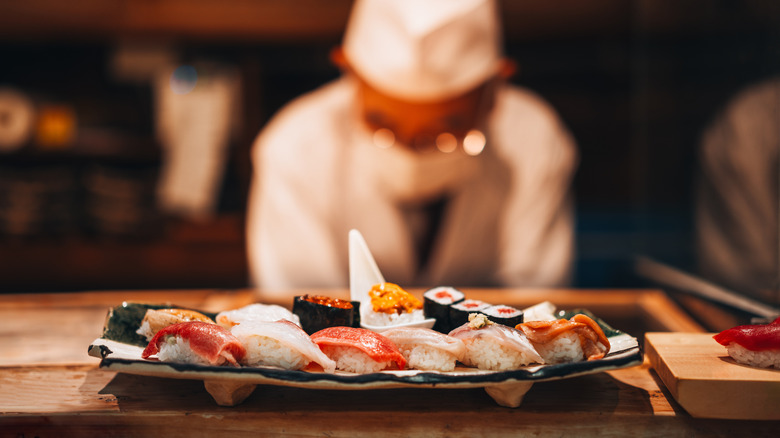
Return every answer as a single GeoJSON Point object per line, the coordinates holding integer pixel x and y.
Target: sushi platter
{"type": "Point", "coordinates": [383, 337]}
{"type": "Point", "coordinates": [231, 385]}
{"type": "Point", "coordinates": [708, 383]}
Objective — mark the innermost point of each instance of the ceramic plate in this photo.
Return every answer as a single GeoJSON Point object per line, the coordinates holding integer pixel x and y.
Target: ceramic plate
{"type": "Point", "coordinates": [119, 349]}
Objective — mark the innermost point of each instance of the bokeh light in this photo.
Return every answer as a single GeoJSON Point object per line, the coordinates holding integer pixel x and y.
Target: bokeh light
{"type": "Point", "coordinates": [474, 142]}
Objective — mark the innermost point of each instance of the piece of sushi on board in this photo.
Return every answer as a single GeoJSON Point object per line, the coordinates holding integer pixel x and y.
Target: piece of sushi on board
{"type": "Point", "coordinates": [280, 344]}
{"type": "Point", "coordinates": [756, 345]}
{"type": "Point", "coordinates": [459, 312]}
{"type": "Point", "coordinates": [495, 347]}
{"type": "Point", "coordinates": [317, 312]}
{"type": "Point", "coordinates": [436, 304]}
{"type": "Point", "coordinates": [563, 341]}
{"type": "Point", "coordinates": [255, 312]}
{"type": "Point", "coordinates": [156, 320]}
{"type": "Point", "coordinates": [426, 349]}
{"type": "Point", "coordinates": [358, 350]}
{"type": "Point", "coordinates": [195, 342]}
{"type": "Point", "coordinates": [503, 314]}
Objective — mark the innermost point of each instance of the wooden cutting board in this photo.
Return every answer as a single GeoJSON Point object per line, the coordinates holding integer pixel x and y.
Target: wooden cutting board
{"type": "Point", "coordinates": [708, 383]}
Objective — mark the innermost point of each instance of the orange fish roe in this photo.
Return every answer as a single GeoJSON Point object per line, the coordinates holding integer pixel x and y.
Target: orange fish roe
{"type": "Point", "coordinates": [391, 298]}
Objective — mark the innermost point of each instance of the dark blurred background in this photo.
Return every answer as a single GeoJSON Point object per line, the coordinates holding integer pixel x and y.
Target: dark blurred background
{"type": "Point", "coordinates": [636, 82]}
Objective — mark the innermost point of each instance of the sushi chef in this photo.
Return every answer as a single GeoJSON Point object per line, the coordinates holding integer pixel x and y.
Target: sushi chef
{"type": "Point", "coordinates": [452, 175]}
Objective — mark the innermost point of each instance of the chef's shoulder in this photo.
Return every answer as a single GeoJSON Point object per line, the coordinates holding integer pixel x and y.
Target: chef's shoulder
{"type": "Point", "coordinates": [309, 120]}
{"type": "Point", "coordinates": [527, 124]}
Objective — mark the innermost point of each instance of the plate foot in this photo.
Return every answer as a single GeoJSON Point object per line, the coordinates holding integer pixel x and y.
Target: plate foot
{"type": "Point", "coordinates": [227, 393]}
{"type": "Point", "coordinates": [509, 395]}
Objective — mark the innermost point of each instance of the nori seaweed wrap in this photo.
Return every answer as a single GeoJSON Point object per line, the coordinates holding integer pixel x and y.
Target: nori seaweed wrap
{"type": "Point", "coordinates": [459, 313]}
{"type": "Point", "coordinates": [318, 312]}
{"type": "Point", "coordinates": [436, 304]}
{"type": "Point", "coordinates": [506, 315]}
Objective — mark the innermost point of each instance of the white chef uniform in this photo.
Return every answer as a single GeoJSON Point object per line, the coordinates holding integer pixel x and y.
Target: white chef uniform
{"type": "Point", "coordinates": [507, 218]}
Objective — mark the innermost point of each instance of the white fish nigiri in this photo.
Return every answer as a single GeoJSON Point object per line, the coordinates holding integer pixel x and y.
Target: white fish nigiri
{"type": "Point", "coordinates": [494, 347]}
{"type": "Point", "coordinates": [426, 349]}
{"type": "Point", "coordinates": [256, 312]}
{"type": "Point", "coordinates": [281, 344]}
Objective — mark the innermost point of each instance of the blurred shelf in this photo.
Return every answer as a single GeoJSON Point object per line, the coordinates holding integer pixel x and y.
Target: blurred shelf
{"type": "Point", "coordinates": [185, 255]}
{"type": "Point", "coordinates": [317, 20]}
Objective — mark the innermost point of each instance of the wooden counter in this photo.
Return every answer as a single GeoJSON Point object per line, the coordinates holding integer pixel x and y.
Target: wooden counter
{"type": "Point", "coordinates": [50, 387]}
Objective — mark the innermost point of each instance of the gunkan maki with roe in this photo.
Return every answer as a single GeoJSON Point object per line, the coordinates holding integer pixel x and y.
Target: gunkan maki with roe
{"type": "Point", "coordinates": [318, 312]}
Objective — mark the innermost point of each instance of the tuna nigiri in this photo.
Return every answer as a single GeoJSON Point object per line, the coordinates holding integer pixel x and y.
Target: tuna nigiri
{"type": "Point", "coordinates": [195, 342]}
{"type": "Point", "coordinates": [426, 349]}
{"type": "Point", "coordinates": [281, 344]}
{"type": "Point", "coordinates": [496, 347]}
{"type": "Point", "coordinates": [562, 341]}
{"type": "Point", "coordinates": [756, 345]}
{"type": "Point", "coordinates": [358, 350]}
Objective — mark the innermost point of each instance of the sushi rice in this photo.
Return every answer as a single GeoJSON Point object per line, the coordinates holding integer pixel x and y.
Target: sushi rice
{"type": "Point", "coordinates": [564, 349]}
{"type": "Point", "coordinates": [265, 351]}
{"type": "Point", "coordinates": [763, 358]}
{"type": "Point", "coordinates": [488, 355]}
{"type": "Point", "coordinates": [423, 357]}
{"type": "Point", "coordinates": [353, 360]}
{"type": "Point", "coordinates": [177, 349]}
{"type": "Point", "coordinates": [389, 319]}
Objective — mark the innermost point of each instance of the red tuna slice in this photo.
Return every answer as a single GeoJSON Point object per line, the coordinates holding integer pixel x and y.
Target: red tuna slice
{"type": "Point", "coordinates": [209, 341]}
{"type": "Point", "coordinates": [376, 346]}
{"type": "Point", "coordinates": [757, 337]}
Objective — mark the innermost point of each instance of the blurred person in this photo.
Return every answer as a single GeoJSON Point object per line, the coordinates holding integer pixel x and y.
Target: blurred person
{"type": "Point", "coordinates": [737, 211]}
{"type": "Point", "coordinates": [452, 175]}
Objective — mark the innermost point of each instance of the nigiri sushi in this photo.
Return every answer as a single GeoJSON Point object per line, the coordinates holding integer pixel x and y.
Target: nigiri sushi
{"type": "Point", "coordinates": [358, 350]}
{"type": "Point", "coordinates": [155, 320]}
{"type": "Point", "coordinates": [756, 345]}
{"type": "Point", "coordinates": [563, 341]}
{"type": "Point", "coordinates": [491, 346]}
{"type": "Point", "coordinates": [256, 312]}
{"type": "Point", "coordinates": [426, 349]}
{"type": "Point", "coordinates": [195, 342]}
{"type": "Point", "coordinates": [281, 344]}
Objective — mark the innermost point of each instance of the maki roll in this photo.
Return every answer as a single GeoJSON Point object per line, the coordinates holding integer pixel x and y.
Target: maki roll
{"type": "Point", "coordinates": [436, 304]}
{"type": "Point", "coordinates": [459, 313]}
{"type": "Point", "coordinates": [502, 314]}
{"type": "Point", "coordinates": [317, 312]}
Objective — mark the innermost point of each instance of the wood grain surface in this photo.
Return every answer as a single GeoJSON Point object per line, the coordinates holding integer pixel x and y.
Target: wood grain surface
{"type": "Point", "coordinates": [55, 389]}
{"type": "Point", "coordinates": [708, 383]}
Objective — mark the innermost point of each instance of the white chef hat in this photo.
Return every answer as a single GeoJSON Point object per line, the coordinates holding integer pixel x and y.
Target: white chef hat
{"type": "Point", "coordinates": [424, 50]}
